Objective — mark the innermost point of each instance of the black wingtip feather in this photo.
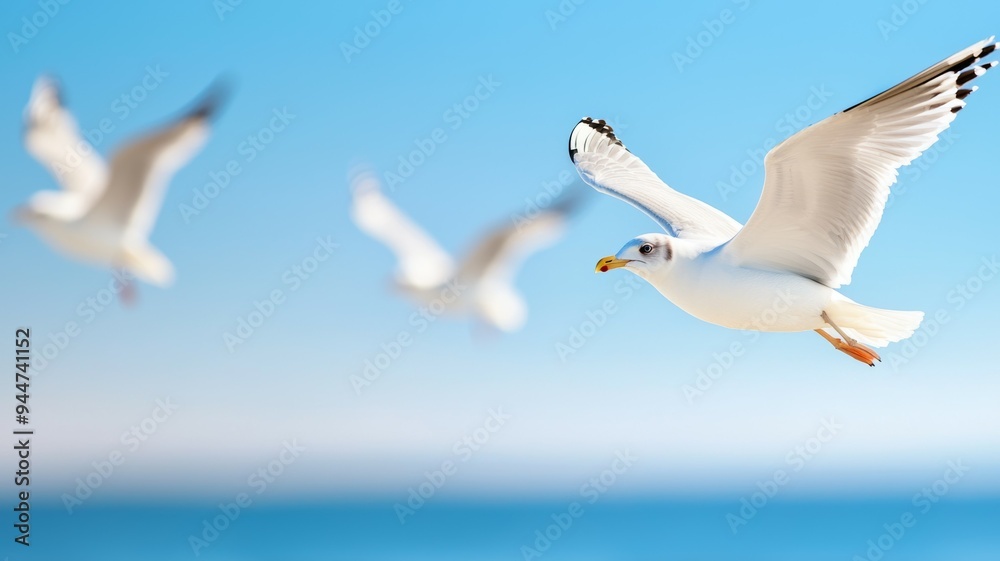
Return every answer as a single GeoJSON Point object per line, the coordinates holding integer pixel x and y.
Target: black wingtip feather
{"type": "Point", "coordinates": [601, 126]}
{"type": "Point", "coordinates": [966, 77]}
{"type": "Point", "coordinates": [212, 100]}
{"type": "Point", "coordinates": [963, 66]}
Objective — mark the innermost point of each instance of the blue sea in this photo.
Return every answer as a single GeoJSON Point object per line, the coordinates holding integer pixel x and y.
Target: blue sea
{"type": "Point", "coordinates": [789, 530]}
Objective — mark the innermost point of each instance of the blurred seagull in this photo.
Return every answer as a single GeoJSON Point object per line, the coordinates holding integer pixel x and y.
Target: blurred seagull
{"type": "Point", "coordinates": [824, 193]}
{"type": "Point", "coordinates": [482, 284]}
{"type": "Point", "coordinates": [104, 215]}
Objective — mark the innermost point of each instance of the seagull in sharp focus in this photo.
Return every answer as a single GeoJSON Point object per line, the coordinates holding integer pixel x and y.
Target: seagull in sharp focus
{"type": "Point", "coordinates": [483, 283]}
{"type": "Point", "coordinates": [103, 214]}
{"type": "Point", "coordinates": [824, 192]}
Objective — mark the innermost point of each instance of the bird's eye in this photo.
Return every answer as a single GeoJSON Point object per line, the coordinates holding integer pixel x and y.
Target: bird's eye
{"type": "Point", "coordinates": [646, 249]}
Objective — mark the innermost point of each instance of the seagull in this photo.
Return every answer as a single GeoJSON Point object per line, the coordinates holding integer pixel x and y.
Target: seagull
{"type": "Point", "coordinates": [824, 192]}
{"type": "Point", "coordinates": [103, 214]}
{"type": "Point", "coordinates": [482, 284]}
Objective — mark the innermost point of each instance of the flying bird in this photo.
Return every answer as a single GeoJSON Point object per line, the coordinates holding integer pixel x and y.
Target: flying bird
{"type": "Point", "coordinates": [482, 284]}
{"type": "Point", "coordinates": [824, 192]}
{"type": "Point", "coordinates": [103, 214]}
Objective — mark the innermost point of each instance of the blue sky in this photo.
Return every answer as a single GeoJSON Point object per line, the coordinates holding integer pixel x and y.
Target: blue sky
{"type": "Point", "coordinates": [763, 70]}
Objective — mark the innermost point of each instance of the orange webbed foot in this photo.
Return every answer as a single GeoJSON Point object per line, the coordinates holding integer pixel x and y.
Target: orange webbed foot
{"type": "Point", "coordinates": [853, 349]}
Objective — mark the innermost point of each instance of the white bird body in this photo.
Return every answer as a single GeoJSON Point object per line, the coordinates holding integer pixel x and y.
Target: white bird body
{"type": "Point", "coordinates": [824, 193]}
{"type": "Point", "coordinates": [104, 214]}
{"type": "Point", "coordinates": [709, 287]}
{"type": "Point", "coordinates": [79, 240]}
{"type": "Point", "coordinates": [482, 284]}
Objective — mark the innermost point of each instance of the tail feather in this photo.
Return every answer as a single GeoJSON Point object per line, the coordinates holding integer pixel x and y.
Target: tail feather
{"type": "Point", "coordinates": [500, 305]}
{"type": "Point", "coordinates": [874, 326]}
{"type": "Point", "coordinates": [148, 264]}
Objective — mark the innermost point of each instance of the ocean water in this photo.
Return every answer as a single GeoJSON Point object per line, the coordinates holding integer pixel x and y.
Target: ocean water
{"type": "Point", "coordinates": [953, 530]}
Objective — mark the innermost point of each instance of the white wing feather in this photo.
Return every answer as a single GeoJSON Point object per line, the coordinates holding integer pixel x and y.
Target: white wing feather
{"type": "Point", "coordinates": [493, 263]}
{"type": "Point", "coordinates": [606, 165]}
{"type": "Point", "coordinates": [826, 187]}
{"type": "Point", "coordinates": [422, 262]}
{"type": "Point", "coordinates": [142, 169]}
{"type": "Point", "coordinates": [51, 136]}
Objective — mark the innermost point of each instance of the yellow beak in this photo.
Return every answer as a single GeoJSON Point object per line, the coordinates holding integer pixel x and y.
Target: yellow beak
{"type": "Point", "coordinates": [605, 264]}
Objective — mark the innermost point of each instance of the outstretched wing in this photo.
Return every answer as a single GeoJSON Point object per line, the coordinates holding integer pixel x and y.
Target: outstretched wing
{"type": "Point", "coordinates": [491, 266]}
{"type": "Point", "coordinates": [826, 187]}
{"type": "Point", "coordinates": [52, 137]}
{"type": "Point", "coordinates": [422, 262]}
{"type": "Point", "coordinates": [606, 165]}
{"type": "Point", "coordinates": [141, 170]}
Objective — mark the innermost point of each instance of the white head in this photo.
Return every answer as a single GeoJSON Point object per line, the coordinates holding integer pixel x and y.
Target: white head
{"type": "Point", "coordinates": [649, 255]}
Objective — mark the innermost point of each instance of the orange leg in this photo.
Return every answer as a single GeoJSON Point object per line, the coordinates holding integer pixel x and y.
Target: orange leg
{"type": "Point", "coordinates": [128, 293]}
{"type": "Point", "coordinates": [851, 347]}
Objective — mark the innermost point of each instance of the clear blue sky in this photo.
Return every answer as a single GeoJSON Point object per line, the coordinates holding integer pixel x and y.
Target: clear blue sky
{"type": "Point", "coordinates": [623, 389]}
